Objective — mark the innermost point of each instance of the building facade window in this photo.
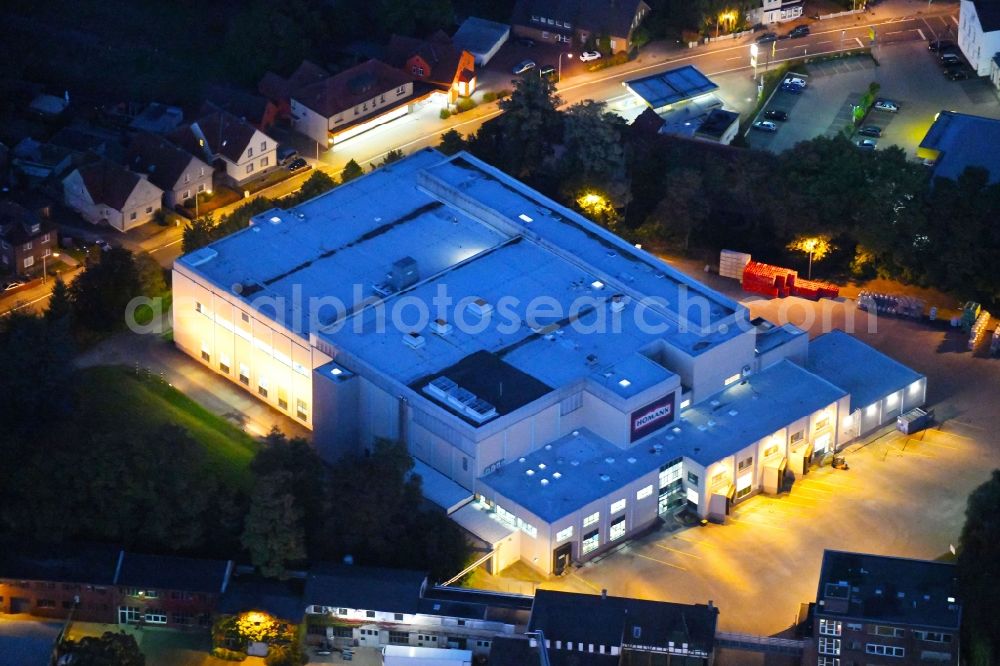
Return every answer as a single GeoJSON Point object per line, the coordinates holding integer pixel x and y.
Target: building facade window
{"type": "Point", "coordinates": [644, 492]}
{"type": "Point", "coordinates": [829, 627]}
{"type": "Point", "coordinates": [155, 616]}
{"type": "Point", "coordinates": [617, 530]}
{"type": "Point", "coordinates": [205, 355]}
{"type": "Point", "coordinates": [591, 519]}
{"type": "Point", "coordinates": [883, 630]}
{"type": "Point", "coordinates": [829, 645]}
{"type": "Point", "coordinates": [262, 386]}
{"type": "Point", "coordinates": [885, 650]}
{"type": "Point", "coordinates": [591, 541]}
{"type": "Point", "coordinates": [250, 168]}
{"type": "Point", "coordinates": [133, 216]}
{"type": "Point", "coordinates": [828, 661]}
{"type": "Point", "coordinates": [932, 636]}
{"type": "Point", "coordinates": [399, 638]}
{"type": "Point", "coordinates": [369, 613]}
{"type": "Point", "coordinates": [744, 464]}
{"type": "Point", "coordinates": [562, 535]}
{"type": "Point", "coordinates": [263, 161]}
{"type": "Point", "coordinates": [618, 506]}
{"type": "Point", "coordinates": [301, 409]}
{"type": "Point", "coordinates": [29, 262]}
{"type": "Point", "coordinates": [149, 209]}
{"type": "Point", "coordinates": [128, 614]}
{"type": "Point", "coordinates": [250, 151]}
{"type": "Point", "coordinates": [693, 478]}
{"type": "Point", "coordinates": [244, 375]}
{"type": "Point", "coordinates": [263, 146]}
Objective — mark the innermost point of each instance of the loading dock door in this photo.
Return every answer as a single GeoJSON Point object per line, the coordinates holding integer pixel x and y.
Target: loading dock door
{"type": "Point", "coordinates": [821, 445]}
{"type": "Point", "coordinates": [561, 558]}
{"type": "Point", "coordinates": [807, 458]}
{"type": "Point", "coordinates": [774, 476]}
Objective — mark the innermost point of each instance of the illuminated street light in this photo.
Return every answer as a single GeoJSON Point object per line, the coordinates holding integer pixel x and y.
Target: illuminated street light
{"type": "Point", "coordinates": [570, 56]}
{"type": "Point", "coordinates": [816, 247]}
{"type": "Point", "coordinates": [45, 271]}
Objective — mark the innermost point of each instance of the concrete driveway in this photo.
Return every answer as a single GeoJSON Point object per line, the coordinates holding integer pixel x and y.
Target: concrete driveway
{"type": "Point", "coordinates": [27, 642]}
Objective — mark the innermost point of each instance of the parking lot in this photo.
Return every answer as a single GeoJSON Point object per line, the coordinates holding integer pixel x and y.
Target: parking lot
{"type": "Point", "coordinates": [26, 642]}
{"type": "Point", "coordinates": [908, 74]}
{"type": "Point", "coordinates": [902, 495]}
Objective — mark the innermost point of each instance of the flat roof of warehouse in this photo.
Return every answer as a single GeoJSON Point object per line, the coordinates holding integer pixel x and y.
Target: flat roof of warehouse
{"type": "Point", "coordinates": [590, 467]}
{"type": "Point", "coordinates": [476, 233]}
{"type": "Point", "coordinates": [863, 371]}
{"type": "Point", "coordinates": [672, 86]}
{"type": "Point", "coordinates": [964, 141]}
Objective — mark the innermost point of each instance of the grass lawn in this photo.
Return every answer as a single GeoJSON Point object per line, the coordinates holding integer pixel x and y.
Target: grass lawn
{"type": "Point", "coordinates": [103, 390]}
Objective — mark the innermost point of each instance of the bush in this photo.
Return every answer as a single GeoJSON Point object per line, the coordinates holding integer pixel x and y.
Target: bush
{"type": "Point", "coordinates": [489, 97]}
{"type": "Point", "coordinates": [617, 59]}
{"type": "Point", "coordinates": [503, 94]}
{"type": "Point", "coordinates": [445, 114]}
{"type": "Point", "coordinates": [465, 104]}
{"type": "Point", "coordinates": [228, 655]}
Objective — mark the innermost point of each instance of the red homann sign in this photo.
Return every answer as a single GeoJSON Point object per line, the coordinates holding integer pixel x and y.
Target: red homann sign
{"type": "Point", "coordinates": [652, 417]}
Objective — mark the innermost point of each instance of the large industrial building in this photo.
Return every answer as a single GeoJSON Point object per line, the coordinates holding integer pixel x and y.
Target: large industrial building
{"type": "Point", "coordinates": [559, 388]}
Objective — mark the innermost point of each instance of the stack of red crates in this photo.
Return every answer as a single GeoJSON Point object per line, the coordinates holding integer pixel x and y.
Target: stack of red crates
{"type": "Point", "coordinates": [775, 281]}
{"type": "Point", "coordinates": [768, 280]}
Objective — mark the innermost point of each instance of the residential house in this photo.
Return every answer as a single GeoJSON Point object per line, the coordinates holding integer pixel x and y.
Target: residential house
{"type": "Point", "coordinates": [876, 609]}
{"type": "Point", "coordinates": [25, 239]}
{"type": "Point", "coordinates": [375, 607]}
{"type": "Point", "coordinates": [36, 160]}
{"type": "Point", "coordinates": [177, 172]}
{"type": "Point", "coordinates": [158, 119]}
{"type": "Point", "coordinates": [436, 61]}
{"type": "Point", "coordinates": [352, 102]}
{"type": "Point", "coordinates": [103, 192]}
{"type": "Point", "coordinates": [979, 33]}
{"type": "Point", "coordinates": [278, 89]}
{"type": "Point", "coordinates": [170, 591]}
{"type": "Point", "coordinates": [579, 22]}
{"type": "Point", "coordinates": [237, 149]}
{"type": "Point", "coordinates": [481, 38]}
{"type": "Point", "coordinates": [52, 582]}
{"type": "Point", "coordinates": [257, 110]}
{"type": "Point", "coordinates": [600, 630]}
{"type": "Point", "coordinates": [100, 142]}
{"type": "Point", "coordinates": [769, 12]}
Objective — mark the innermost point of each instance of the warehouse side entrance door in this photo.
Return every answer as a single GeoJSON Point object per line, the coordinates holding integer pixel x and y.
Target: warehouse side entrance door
{"type": "Point", "coordinates": [561, 558]}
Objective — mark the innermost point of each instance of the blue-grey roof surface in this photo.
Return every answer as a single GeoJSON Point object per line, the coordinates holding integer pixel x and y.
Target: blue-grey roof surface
{"type": "Point", "coordinates": [734, 418]}
{"type": "Point", "coordinates": [672, 86]}
{"type": "Point", "coordinates": [364, 588]}
{"type": "Point", "coordinates": [964, 140]}
{"type": "Point", "coordinates": [438, 488]}
{"type": "Point", "coordinates": [170, 572]}
{"type": "Point", "coordinates": [893, 590]}
{"type": "Point", "coordinates": [863, 371]}
{"type": "Point", "coordinates": [770, 336]}
{"type": "Point", "coordinates": [477, 35]}
{"type": "Point", "coordinates": [478, 233]}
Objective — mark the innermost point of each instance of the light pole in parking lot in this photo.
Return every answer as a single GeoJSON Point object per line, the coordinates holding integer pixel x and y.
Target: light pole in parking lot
{"type": "Point", "coordinates": [564, 53]}
{"type": "Point", "coordinates": [754, 50]}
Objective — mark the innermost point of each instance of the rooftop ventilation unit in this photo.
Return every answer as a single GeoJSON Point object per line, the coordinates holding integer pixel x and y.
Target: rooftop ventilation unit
{"type": "Point", "coordinates": [480, 410]}
{"type": "Point", "coordinates": [414, 340]}
{"type": "Point", "coordinates": [440, 387]}
{"type": "Point", "coordinates": [557, 475]}
{"type": "Point", "coordinates": [383, 290]}
{"type": "Point", "coordinates": [591, 359]}
{"type": "Point", "coordinates": [404, 274]}
{"type": "Point", "coordinates": [609, 460]}
{"type": "Point", "coordinates": [605, 477]}
{"type": "Point", "coordinates": [441, 327]}
{"type": "Point", "coordinates": [481, 308]}
{"type": "Point", "coordinates": [618, 302]}
{"type": "Point", "coordinates": [460, 397]}
{"type": "Point", "coordinates": [545, 482]}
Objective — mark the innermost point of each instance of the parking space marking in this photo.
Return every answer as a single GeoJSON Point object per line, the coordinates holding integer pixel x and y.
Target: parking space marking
{"type": "Point", "coordinates": [679, 552]}
{"type": "Point", "coordinates": [826, 42]}
{"type": "Point", "coordinates": [743, 522]}
{"type": "Point", "coordinates": [697, 542]}
{"type": "Point", "coordinates": [647, 557]}
{"type": "Point", "coordinates": [860, 44]}
{"type": "Point", "coordinates": [921, 33]}
{"type": "Point", "coordinates": [955, 20]}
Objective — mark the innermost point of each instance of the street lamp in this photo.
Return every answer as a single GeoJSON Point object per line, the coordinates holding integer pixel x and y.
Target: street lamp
{"type": "Point", "coordinates": [45, 271]}
{"type": "Point", "coordinates": [815, 246]}
{"type": "Point", "coordinates": [565, 53]}
{"type": "Point", "coordinates": [754, 50]}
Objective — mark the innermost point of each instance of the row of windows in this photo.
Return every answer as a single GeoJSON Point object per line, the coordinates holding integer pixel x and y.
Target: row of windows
{"type": "Point", "coordinates": [264, 161]}
{"type": "Point", "coordinates": [547, 21]}
{"type": "Point", "coordinates": [201, 172]}
{"type": "Point", "coordinates": [263, 149]}
{"type": "Point", "coordinates": [187, 193]}
{"type": "Point", "coordinates": [885, 650]}
{"type": "Point", "coordinates": [134, 215]}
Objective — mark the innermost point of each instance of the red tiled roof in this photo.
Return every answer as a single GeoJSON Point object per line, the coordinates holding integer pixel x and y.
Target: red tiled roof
{"type": "Point", "coordinates": [162, 160]}
{"type": "Point", "coordinates": [443, 58]}
{"type": "Point", "coordinates": [277, 88]}
{"type": "Point", "coordinates": [108, 183]}
{"type": "Point", "coordinates": [350, 87]}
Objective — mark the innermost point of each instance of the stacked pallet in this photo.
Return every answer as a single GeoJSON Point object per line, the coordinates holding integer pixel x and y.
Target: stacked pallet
{"type": "Point", "coordinates": [775, 282]}
{"type": "Point", "coordinates": [732, 264]}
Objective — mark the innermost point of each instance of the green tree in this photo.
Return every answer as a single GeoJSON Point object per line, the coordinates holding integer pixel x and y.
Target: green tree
{"type": "Point", "coordinates": [451, 142]}
{"type": "Point", "coordinates": [979, 575]}
{"type": "Point", "coordinates": [197, 233]}
{"type": "Point", "coordinates": [151, 275]}
{"type": "Point", "coordinates": [101, 293]}
{"type": "Point", "coordinates": [680, 212]}
{"type": "Point", "coordinates": [60, 308]}
{"type": "Point", "coordinates": [273, 532]}
{"type": "Point", "coordinates": [593, 141]}
{"type": "Point", "coordinates": [35, 369]}
{"type": "Point", "coordinates": [318, 183]}
{"type": "Point", "coordinates": [111, 649]}
{"type": "Point", "coordinates": [393, 155]}
{"type": "Point", "coordinates": [351, 171]}
{"type": "Point", "coordinates": [529, 126]}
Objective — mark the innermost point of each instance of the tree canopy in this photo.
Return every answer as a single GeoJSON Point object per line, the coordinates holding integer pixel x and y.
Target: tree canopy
{"type": "Point", "coordinates": [110, 649]}
{"type": "Point", "coordinates": [979, 573]}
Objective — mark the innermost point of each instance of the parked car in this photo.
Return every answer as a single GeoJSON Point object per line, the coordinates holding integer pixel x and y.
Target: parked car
{"type": "Point", "coordinates": [12, 285]}
{"type": "Point", "coordinates": [524, 66]}
{"type": "Point", "coordinates": [547, 70]}
{"type": "Point", "coordinates": [940, 45]}
{"type": "Point", "coordinates": [775, 114]}
{"type": "Point", "coordinates": [867, 144]}
{"type": "Point", "coordinates": [886, 105]}
{"type": "Point", "coordinates": [525, 41]}
{"type": "Point", "coordinates": [587, 56]}
{"type": "Point", "coordinates": [767, 37]}
{"type": "Point", "coordinates": [870, 130]}
{"type": "Point", "coordinates": [799, 31]}
{"type": "Point", "coordinates": [792, 88]}
{"type": "Point", "coordinates": [956, 74]}
{"type": "Point", "coordinates": [950, 59]}
{"type": "Point", "coordinates": [296, 164]}
{"type": "Point", "coordinates": [103, 244]}
{"type": "Point", "coordinates": [794, 80]}
{"type": "Point", "coordinates": [286, 154]}
{"type": "Point", "coordinates": [765, 126]}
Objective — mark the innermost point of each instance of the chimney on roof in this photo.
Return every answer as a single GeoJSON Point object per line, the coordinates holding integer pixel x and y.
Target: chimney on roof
{"type": "Point", "coordinates": [604, 593]}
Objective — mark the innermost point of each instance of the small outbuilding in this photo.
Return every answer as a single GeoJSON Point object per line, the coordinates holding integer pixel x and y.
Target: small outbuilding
{"type": "Point", "coordinates": [481, 38]}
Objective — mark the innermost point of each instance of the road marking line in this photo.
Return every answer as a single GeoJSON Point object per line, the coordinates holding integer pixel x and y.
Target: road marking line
{"type": "Point", "coordinates": [674, 550]}
{"type": "Point", "coordinates": [826, 42]}
{"type": "Point", "coordinates": [859, 42]}
{"type": "Point", "coordinates": [954, 19]}
{"type": "Point", "coordinates": [921, 33]}
{"type": "Point", "coordinates": [647, 557]}
{"type": "Point", "coordinates": [895, 32]}
{"type": "Point", "coordinates": [752, 524]}
{"type": "Point", "coordinates": [696, 542]}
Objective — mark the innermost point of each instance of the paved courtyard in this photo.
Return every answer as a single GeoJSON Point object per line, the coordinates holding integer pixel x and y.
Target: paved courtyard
{"type": "Point", "coordinates": [26, 642]}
